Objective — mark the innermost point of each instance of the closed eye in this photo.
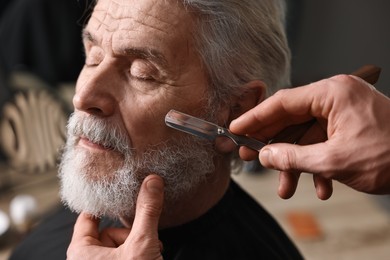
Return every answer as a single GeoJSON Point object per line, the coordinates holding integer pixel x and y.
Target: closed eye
{"type": "Point", "coordinates": [143, 70]}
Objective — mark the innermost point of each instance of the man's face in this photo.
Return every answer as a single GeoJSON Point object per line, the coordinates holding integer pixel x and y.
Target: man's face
{"type": "Point", "coordinates": [140, 63]}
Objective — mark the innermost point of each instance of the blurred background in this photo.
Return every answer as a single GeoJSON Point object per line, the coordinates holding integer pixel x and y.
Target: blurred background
{"type": "Point", "coordinates": [41, 55]}
{"type": "Point", "coordinates": [333, 37]}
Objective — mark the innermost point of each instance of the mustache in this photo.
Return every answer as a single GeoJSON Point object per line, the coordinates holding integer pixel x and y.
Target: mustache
{"type": "Point", "coordinates": [100, 131]}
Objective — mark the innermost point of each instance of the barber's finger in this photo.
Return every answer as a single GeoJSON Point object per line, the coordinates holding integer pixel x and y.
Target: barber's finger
{"type": "Point", "coordinates": [324, 187]}
{"type": "Point", "coordinates": [149, 207]}
{"type": "Point", "coordinates": [290, 157]}
{"type": "Point", "coordinates": [288, 182]}
{"type": "Point", "coordinates": [248, 154]}
{"type": "Point", "coordinates": [293, 105]}
{"type": "Point", "coordinates": [315, 134]}
{"type": "Point", "coordinates": [86, 226]}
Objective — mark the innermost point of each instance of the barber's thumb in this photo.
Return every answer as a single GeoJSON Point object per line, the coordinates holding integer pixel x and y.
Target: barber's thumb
{"type": "Point", "coordinates": [266, 158]}
{"type": "Point", "coordinates": [281, 157]}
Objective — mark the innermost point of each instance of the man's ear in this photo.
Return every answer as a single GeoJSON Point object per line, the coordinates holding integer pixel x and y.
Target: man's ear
{"type": "Point", "coordinates": [253, 93]}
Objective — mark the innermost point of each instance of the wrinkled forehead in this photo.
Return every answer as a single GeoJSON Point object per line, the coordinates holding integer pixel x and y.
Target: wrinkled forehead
{"type": "Point", "coordinates": [164, 25]}
{"type": "Point", "coordinates": [159, 13]}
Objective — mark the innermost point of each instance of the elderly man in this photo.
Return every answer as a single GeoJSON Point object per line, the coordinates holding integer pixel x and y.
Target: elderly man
{"type": "Point", "coordinates": [213, 59]}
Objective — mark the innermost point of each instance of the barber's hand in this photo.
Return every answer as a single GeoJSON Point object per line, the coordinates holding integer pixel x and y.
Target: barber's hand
{"type": "Point", "coordinates": [141, 242]}
{"type": "Point", "coordinates": [350, 141]}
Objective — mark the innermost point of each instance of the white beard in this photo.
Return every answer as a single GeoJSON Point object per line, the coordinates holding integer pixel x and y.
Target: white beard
{"type": "Point", "coordinates": [112, 190]}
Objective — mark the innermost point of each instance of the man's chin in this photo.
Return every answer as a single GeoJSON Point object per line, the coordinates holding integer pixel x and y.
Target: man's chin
{"type": "Point", "coordinates": [97, 184]}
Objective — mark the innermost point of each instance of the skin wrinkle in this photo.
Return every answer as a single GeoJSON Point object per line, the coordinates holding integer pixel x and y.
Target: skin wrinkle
{"type": "Point", "coordinates": [123, 20]}
{"type": "Point", "coordinates": [154, 56]}
{"type": "Point", "coordinates": [100, 23]}
{"type": "Point", "coordinates": [170, 83]}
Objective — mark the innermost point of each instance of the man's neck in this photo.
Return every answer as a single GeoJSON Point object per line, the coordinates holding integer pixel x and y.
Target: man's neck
{"type": "Point", "coordinates": [206, 196]}
{"type": "Point", "coordinates": [202, 200]}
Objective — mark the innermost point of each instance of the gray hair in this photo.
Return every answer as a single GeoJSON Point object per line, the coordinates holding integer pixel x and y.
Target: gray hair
{"type": "Point", "coordinates": [240, 41]}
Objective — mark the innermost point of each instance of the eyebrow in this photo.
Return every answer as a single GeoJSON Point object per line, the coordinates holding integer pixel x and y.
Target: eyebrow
{"type": "Point", "coordinates": [143, 53]}
{"type": "Point", "coordinates": [148, 54]}
{"type": "Point", "coordinates": [87, 36]}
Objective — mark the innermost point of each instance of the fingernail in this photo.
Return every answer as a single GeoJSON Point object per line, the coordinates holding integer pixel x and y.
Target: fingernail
{"type": "Point", "coordinates": [155, 185]}
{"type": "Point", "coordinates": [266, 157]}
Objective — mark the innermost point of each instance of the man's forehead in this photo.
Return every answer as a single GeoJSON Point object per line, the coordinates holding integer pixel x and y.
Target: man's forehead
{"type": "Point", "coordinates": [161, 13]}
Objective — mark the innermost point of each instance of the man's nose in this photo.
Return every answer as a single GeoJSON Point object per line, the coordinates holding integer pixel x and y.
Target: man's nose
{"type": "Point", "coordinates": [94, 91]}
